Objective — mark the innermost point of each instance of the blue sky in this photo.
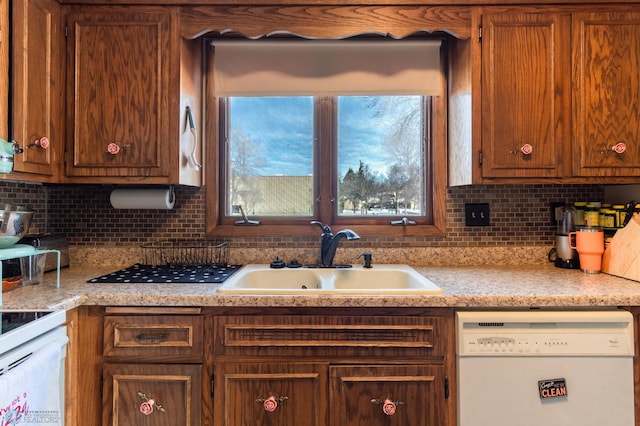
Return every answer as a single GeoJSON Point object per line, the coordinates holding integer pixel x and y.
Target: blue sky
{"type": "Point", "coordinates": [285, 134]}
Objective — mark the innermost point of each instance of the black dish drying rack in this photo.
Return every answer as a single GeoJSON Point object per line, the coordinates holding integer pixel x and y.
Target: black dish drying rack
{"type": "Point", "coordinates": [177, 261]}
{"type": "Point", "coordinates": [186, 252]}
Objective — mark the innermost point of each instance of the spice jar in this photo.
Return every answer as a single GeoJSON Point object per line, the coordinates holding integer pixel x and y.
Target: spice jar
{"type": "Point", "coordinates": [608, 218]}
{"type": "Point", "coordinates": [580, 207]}
{"type": "Point", "coordinates": [621, 213]}
{"type": "Point", "coordinates": [592, 215]}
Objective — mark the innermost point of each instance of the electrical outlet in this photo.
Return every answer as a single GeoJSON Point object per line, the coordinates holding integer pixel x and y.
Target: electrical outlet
{"type": "Point", "coordinates": [477, 214]}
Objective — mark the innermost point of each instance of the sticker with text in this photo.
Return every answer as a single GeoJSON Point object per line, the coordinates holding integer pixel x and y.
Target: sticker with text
{"type": "Point", "coordinates": [552, 388]}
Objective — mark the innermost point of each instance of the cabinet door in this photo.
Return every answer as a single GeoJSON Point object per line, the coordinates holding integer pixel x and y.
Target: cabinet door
{"type": "Point", "coordinates": [402, 395]}
{"type": "Point", "coordinates": [152, 394]}
{"type": "Point", "coordinates": [606, 76]}
{"type": "Point", "coordinates": [525, 94]}
{"type": "Point", "coordinates": [4, 70]}
{"type": "Point", "coordinates": [270, 394]}
{"type": "Point", "coordinates": [119, 65]}
{"type": "Point", "coordinates": [36, 85]}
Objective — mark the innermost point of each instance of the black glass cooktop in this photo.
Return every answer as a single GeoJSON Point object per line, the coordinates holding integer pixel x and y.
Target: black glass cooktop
{"type": "Point", "coordinates": [168, 274]}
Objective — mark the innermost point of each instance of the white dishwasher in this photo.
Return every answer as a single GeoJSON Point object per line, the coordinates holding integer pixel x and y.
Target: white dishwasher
{"type": "Point", "coordinates": [532, 368]}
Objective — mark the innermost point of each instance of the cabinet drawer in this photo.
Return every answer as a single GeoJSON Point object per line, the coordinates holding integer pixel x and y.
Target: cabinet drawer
{"type": "Point", "coordinates": [345, 336]}
{"type": "Point", "coordinates": [153, 335]}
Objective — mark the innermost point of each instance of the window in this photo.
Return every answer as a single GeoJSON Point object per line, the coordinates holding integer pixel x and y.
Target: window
{"type": "Point", "coordinates": [269, 157]}
{"type": "Point", "coordinates": [383, 163]}
{"type": "Point", "coordinates": [364, 159]}
{"type": "Point", "coordinates": [379, 166]}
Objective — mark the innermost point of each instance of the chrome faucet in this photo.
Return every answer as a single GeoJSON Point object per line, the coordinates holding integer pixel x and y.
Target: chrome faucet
{"type": "Point", "coordinates": [329, 242]}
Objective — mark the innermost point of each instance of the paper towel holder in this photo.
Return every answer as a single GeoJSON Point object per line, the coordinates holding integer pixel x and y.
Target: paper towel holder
{"type": "Point", "coordinates": [172, 194]}
{"type": "Point", "coordinates": [137, 198]}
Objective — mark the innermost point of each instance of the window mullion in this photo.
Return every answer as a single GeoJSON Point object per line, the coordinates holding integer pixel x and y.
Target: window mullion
{"type": "Point", "coordinates": [325, 167]}
{"type": "Point", "coordinates": [223, 167]}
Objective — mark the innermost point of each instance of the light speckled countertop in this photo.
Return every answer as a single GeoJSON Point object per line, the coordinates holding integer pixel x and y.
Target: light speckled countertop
{"type": "Point", "coordinates": [465, 286]}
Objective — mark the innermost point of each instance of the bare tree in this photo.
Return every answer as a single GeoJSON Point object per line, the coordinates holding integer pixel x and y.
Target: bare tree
{"type": "Point", "coordinates": [403, 144]}
{"type": "Point", "coordinates": [246, 157]}
{"type": "Point", "coordinates": [359, 187]}
{"type": "Point", "coordinates": [396, 183]}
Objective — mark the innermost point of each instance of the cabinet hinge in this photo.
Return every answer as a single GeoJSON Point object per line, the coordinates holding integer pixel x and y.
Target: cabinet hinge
{"type": "Point", "coordinates": [446, 388]}
{"type": "Point", "coordinates": [480, 33]}
{"type": "Point", "coordinates": [211, 386]}
{"type": "Point", "coordinates": [480, 158]}
{"type": "Point", "coordinates": [66, 31]}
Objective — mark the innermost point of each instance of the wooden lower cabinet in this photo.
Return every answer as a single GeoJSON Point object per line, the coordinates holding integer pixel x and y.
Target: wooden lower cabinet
{"type": "Point", "coordinates": [271, 394]}
{"type": "Point", "coordinates": [181, 366]}
{"type": "Point", "coordinates": [152, 394]}
{"type": "Point", "coordinates": [402, 395]}
{"type": "Point", "coordinates": [300, 394]}
{"type": "Point", "coordinates": [72, 368]}
{"type": "Point", "coordinates": [333, 369]}
{"type": "Point", "coordinates": [152, 371]}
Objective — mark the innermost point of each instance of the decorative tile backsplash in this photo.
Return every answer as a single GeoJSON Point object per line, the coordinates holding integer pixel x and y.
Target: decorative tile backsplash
{"type": "Point", "coordinates": [519, 216]}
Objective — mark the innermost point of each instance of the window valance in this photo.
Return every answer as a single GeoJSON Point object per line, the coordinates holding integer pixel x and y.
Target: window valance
{"type": "Point", "coordinates": [327, 68]}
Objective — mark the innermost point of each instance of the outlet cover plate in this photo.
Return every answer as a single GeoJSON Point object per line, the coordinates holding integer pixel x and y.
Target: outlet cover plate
{"type": "Point", "coordinates": [477, 214]}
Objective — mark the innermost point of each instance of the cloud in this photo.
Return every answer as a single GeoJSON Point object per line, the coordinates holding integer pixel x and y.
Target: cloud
{"type": "Point", "coordinates": [284, 128]}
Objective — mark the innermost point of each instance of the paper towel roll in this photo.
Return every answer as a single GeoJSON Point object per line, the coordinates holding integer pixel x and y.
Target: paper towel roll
{"type": "Point", "coordinates": [163, 199]}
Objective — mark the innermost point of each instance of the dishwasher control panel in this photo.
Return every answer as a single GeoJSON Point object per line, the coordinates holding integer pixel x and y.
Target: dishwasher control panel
{"type": "Point", "coordinates": [539, 334]}
{"type": "Point", "coordinates": [546, 344]}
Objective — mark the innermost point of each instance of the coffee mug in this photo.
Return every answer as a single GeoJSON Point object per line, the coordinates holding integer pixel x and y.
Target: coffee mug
{"type": "Point", "coordinates": [589, 242]}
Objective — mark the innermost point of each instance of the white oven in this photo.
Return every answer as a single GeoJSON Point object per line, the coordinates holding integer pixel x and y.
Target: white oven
{"type": "Point", "coordinates": [32, 355]}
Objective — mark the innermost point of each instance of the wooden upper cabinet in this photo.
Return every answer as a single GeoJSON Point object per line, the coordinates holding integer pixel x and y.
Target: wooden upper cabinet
{"type": "Point", "coordinates": [525, 94]}
{"type": "Point", "coordinates": [606, 77]}
{"type": "Point", "coordinates": [4, 69]}
{"type": "Point", "coordinates": [123, 95]}
{"type": "Point", "coordinates": [37, 89]}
